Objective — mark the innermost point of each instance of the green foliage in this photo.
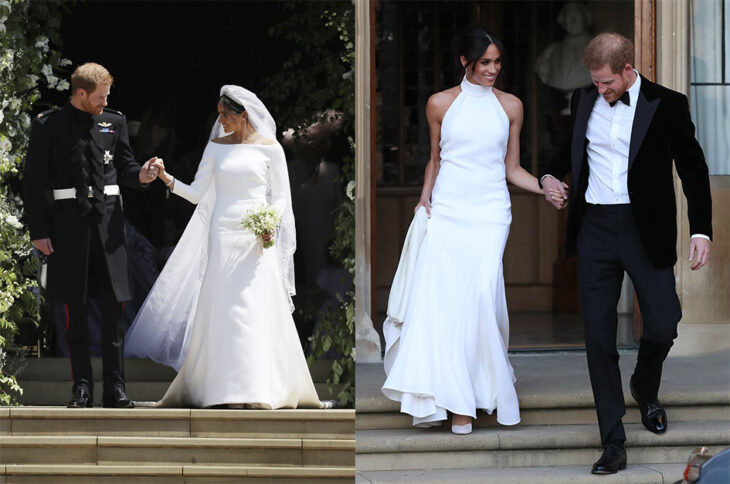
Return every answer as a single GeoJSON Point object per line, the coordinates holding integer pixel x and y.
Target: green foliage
{"type": "Point", "coordinates": [319, 76]}
{"type": "Point", "coordinates": [28, 30]}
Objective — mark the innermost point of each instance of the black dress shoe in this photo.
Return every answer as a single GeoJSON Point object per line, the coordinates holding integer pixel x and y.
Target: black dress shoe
{"type": "Point", "coordinates": [116, 398]}
{"type": "Point", "coordinates": [82, 397]}
{"type": "Point", "coordinates": [653, 415]}
{"type": "Point", "coordinates": [612, 460]}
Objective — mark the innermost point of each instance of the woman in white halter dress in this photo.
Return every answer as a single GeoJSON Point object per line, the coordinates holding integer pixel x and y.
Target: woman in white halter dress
{"type": "Point", "coordinates": [449, 353]}
{"type": "Point", "coordinates": [220, 312]}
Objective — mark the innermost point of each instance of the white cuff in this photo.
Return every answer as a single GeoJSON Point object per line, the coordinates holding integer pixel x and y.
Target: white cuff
{"type": "Point", "coordinates": [701, 236]}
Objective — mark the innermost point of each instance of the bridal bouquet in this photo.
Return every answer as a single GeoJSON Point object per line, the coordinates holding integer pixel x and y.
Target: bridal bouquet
{"type": "Point", "coordinates": [262, 220]}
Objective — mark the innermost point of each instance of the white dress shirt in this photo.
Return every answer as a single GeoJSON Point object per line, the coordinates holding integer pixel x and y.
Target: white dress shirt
{"type": "Point", "coordinates": [609, 139]}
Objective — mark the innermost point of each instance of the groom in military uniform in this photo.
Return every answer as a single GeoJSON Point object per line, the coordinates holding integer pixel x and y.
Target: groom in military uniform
{"type": "Point", "coordinates": [76, 156]}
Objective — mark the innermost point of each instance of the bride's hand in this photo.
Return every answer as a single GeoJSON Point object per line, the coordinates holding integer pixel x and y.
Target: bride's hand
{"type": "Point", "coordinates": [160, 165]}
{"type": "Point", "coordinates": [425, 204]}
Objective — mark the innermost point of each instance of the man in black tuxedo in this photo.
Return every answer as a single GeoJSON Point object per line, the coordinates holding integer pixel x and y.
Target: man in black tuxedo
{"type": "Point", "coordinates": [76, 156]}
{"type": "Point", "coordinates": [622, 217]}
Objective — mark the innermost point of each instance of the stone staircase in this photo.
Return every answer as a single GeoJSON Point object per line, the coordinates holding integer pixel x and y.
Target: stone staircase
{"type": "Point", "coordinates": [53, 444]}
{"type": "Point", "coordinates": [47, 381]}
{"type": "Point", "coordinates": [557, 440]}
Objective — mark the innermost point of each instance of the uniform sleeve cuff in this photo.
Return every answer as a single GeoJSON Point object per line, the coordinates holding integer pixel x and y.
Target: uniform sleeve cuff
{"type": "Point", "coordinates": [701, 236]}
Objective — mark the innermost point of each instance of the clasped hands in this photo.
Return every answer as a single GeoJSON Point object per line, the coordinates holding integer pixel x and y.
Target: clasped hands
{"type": "Point", "coordinates": [555, 192]}
{"type": "Point", "coordinates": [149, 171]}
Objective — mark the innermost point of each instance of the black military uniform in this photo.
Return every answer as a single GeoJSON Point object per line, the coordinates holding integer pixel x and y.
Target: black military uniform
{"type": "Point", "coordinates": [75, 160]}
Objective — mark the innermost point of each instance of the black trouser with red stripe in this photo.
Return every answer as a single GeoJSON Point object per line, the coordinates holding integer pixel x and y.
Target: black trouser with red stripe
{"type": "Point", "coordinates": [112, 328]}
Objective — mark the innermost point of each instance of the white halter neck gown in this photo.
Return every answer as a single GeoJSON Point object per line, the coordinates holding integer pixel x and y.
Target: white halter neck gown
{"type": "Point", "coordinates": [450, 353]}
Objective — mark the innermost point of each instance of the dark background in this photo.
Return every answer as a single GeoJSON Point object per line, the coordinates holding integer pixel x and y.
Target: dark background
{"type": "Point", "coordinates": [175, 54]}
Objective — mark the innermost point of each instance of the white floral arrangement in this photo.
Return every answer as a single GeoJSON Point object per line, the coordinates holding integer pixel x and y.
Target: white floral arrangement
{"type": "Point", "coordinates": [29, 63]}
{"type": "Point", "coordinates": [261, 220]}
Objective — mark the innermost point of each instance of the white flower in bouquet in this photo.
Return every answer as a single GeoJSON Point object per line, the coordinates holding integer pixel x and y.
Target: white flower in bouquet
{"type": "Point", "coordinates": [262, 220]}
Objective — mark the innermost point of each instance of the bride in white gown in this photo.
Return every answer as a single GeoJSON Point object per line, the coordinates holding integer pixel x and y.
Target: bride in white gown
{"type": "Point", "coordinates": [448, 351]}
{"type": "Point", "coordinates": [220, 312]}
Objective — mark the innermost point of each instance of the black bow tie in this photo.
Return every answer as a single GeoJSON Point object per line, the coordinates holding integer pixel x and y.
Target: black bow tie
{"type": "Point", "coordinates": [624, 99]}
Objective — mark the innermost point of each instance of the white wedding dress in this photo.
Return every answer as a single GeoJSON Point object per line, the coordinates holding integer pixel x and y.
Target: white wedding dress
{"type": "Point", "coordinates": [449, 353]}
{"type": "Point", "coordinates": [241, 345]}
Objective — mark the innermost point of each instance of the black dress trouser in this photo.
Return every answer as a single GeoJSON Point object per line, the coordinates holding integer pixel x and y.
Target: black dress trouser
{"type": "Point", "coordinates": [112, 329]}
{"type": "Point", "coordinates": [608, 245]}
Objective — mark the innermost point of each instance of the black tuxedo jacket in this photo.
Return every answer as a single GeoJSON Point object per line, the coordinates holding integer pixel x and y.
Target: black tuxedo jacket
{"type": "Point", "coordinates": [662, 132]}
{"type": "Point", "coordinates": [53, 162]}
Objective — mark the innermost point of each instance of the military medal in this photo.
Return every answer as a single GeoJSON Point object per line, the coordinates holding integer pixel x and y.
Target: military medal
{"type": "Point", "coordinates": [105, 128]}
{"type": "Point", "coordinates": [107, 157]}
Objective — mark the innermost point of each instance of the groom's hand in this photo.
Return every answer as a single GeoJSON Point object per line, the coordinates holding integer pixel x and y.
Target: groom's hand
{"type": "Point", "coordinates": [149, 172]}
{"type": "Point", "coordinates": [699, 252]}
{"type": "Point", "coordinates": [555, 192]}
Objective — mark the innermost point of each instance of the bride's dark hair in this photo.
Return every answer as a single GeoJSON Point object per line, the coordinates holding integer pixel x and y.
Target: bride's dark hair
{"type": "Point", "coordinates": [229, 103]}
{"type": "Point", "coordinates": [472, 41]}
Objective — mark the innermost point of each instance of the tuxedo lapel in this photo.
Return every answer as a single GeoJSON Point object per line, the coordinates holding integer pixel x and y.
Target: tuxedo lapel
{"type": "Point", "coordinates": [580, 125]}
{"type": "Point", "coordinates": [645, 109]}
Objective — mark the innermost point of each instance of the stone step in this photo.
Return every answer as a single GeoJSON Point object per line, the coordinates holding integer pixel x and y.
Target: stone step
{"type": "Point", "coordinates": [528, 446]}
{"type": "Point", "coordinates": [171, 450]}
{"type": "Point", "coordinates": [59, 369]}
{"type": "Point", "coordinates": [190, 474]}
{"type": "Point", "coordinates": [173, 422]}
{"type": "Point", "coordinates": [552, 416]}
{"type": "Point", "coordinates": [55, 392]}
{"type": "Point", "coordinates": [633, 474]}
{"type": "Point", "coordinates": [554, 388]}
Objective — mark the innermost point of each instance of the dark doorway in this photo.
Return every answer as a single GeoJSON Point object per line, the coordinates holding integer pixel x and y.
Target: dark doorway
{"type": "Point", "coordinates": [169, 60]}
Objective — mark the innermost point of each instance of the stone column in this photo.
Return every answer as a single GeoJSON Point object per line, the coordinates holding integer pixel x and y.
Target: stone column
{"type": "Point", "coordinates": [367, 341]}
{"type": "Point", "coordinates": [705, 325]}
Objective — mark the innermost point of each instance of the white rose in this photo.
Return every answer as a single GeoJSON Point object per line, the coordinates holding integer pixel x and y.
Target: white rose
{"type": "Point", "coordinates": [350, 190]}
{"type": "Point", "coordinates": [25, 120]}
{"type": "Point", "coordinates": [42, 43]}
{"type": "Point", "coordinates": [33, 80]}
{"type": "Point", "coordinates": [15, 104]}
{"type": "Point", "coordinates": [63, 85]}
{"type": "Point", "coordinates": [13, 221]}
{"type": "Point", "coordinates": [47, 70]}
{"type": "Point", "coordinates": [52, 80]}
{"type": "Point", "coordinates": [65, 62]}
{"type": "Point", "coordinates": [5, 145]}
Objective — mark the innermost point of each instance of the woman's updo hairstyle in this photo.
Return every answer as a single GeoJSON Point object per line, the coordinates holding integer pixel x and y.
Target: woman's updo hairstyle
{"type": "Point", "coordinates": [231, 104]}
{"type": "Point", "coordinates": [473, 41]}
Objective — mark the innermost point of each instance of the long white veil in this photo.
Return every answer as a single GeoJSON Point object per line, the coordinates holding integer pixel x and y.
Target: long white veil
{"type": "Point", "coordinates": [162, 327]}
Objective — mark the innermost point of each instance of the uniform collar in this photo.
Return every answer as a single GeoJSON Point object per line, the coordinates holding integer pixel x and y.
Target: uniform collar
{"type": "Point", "coordinates": [77, 113]}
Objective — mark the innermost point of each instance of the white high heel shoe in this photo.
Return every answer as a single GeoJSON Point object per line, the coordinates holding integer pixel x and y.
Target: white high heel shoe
{"type": "Point", "coordinates": [461, 429]}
